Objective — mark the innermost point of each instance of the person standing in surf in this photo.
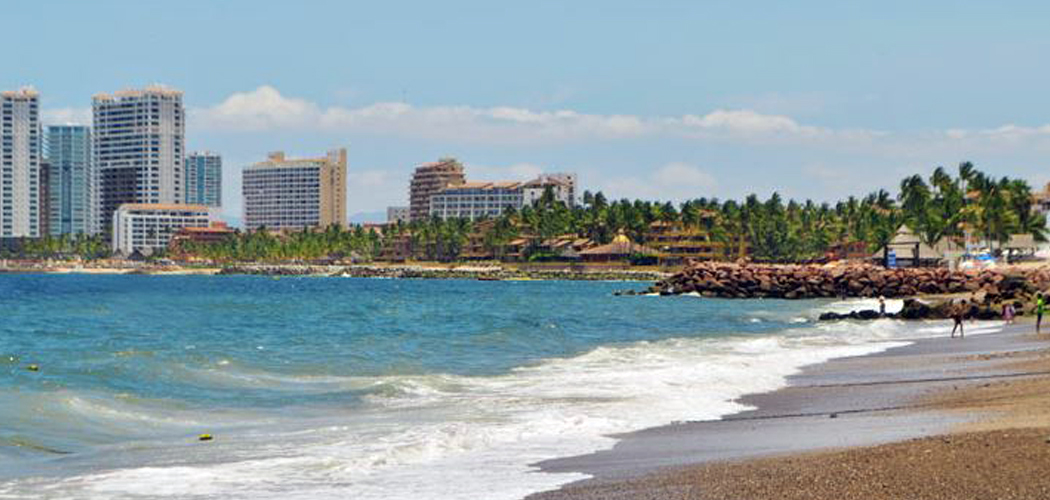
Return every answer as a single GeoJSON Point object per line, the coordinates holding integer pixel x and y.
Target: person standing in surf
{"type": "Point", "coordinates": [1040, 308]}
{"type": "Point", "coordinates": [958, 312]}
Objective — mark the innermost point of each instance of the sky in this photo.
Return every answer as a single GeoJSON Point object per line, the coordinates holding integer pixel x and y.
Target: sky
{"type": "Point", "coordinates": [663, 100]}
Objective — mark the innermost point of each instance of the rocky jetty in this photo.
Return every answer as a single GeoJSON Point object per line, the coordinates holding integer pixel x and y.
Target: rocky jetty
{"type": "Point", "coordinates": [984, 307]}
{"type": "Point", "coordinates": [844, 280]}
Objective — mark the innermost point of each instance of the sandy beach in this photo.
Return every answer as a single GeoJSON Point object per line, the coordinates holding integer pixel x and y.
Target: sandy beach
{"type": "Point", "coordinates": [939, 418]}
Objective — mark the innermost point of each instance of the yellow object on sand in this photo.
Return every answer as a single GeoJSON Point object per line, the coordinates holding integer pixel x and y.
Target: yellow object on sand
{"type": "Point", "coordinates": [204, 437]}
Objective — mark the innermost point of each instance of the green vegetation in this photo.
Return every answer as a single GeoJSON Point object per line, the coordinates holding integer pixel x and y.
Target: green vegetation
{"type": "Point", "coordinates": [262, 245]}
{"type": "Point", "coordinates": [57, 247]}
{"type": "Point", "coordinates": [944, 206]}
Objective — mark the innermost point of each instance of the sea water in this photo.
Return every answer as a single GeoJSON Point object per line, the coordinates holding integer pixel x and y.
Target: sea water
{"type": "Point", "coordinates": [320, 388]}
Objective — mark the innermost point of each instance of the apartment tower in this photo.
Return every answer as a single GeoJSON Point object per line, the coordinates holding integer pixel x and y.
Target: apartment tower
{"type": "Point", "coordinates": [138, 148]}
{"type": "Point", "coordinates": [286, 193]}
{"type": "Point", "coordinates": [430, 179]}
{"type": "Point", "coordinates": [204, 179]}
{"type": "Point", "coordinates": [20, 163]}
{"type": "Point", "coordinates": [72, 183]}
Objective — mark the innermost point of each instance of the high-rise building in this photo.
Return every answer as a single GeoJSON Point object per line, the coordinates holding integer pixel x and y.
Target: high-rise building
{"type": "Point", "coordinates": [427, 180]}
{"type": "Point", "coordinates": [283, 193]}
{"type": "Point", "coordinates": [20, 163]}
{"type": "Point", "coordinates": [149, 227]}
{"type": "Point", "coordinates": [44, 211]}
{"type": "Point", "coordinates": [72, 182]}
{"type": "Point", "coordinates": [138, 148]}
{"type": "Point", "coordinates": [204, 178]}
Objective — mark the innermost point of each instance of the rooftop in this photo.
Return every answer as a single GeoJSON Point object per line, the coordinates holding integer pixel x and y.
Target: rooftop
{"type": "Point", "coordinates": [160, 207]}
{"type": "Point", "coordinates": [23, 93]}
{"type": "Point", "coordinates": [155, 89]}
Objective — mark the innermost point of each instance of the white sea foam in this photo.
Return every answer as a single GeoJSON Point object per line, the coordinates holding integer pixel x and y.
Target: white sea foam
{"type": "Point", "coordinates": [453, 437]}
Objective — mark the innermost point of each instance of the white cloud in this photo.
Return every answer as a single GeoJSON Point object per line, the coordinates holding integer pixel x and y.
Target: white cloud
{"type": "Point", "coordinates": [266, 109]}
{"type": "Point", "coordinates": [675, 181]}
{"type": "Point", "coordinates": [261, 109]}
{"type": "Point", "coordinates": [746, 122]}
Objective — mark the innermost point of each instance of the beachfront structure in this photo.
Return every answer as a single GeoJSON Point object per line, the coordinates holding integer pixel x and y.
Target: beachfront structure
{"type": "Point", "coordinates": [678, 242]}
{"type": "Point", "coordinates": [429, 179]}
{"type": "Point", "coordinates": [621, 248]}
{"type": "Point", "coordinates": [72, 183]}
{"type": "Point", "coordinates": [477, 200]}
{"type": "Point", "coordinates": [217, 232]}
{"type": "Point", "coordinates": [138, 148]}
{"type": "Point", "coordinates": [563, 185]}
{"type": "Point", "coordinates": [204, 178]}
{"type": "Point", "coordinates": [283, 193]}
{"type": "Point", "coordinates": [146, 227]}
{"type": "Point", "coordinates": [20, 163]}
{"type": "Point", "coordinates": [397, 214]}
{"type": "Point", "coordinates": [1042, 200]}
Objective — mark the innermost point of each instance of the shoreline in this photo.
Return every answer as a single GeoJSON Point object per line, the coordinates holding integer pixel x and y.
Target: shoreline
{"type": "Point", "coordinates": [850, 404]}
{"type": "Point", "coordinates": [407, 271]}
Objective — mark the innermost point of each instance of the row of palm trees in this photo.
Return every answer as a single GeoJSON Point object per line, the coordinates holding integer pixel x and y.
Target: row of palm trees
{"type": "Point", "coordinates": [62, 246]}
{"type": "Point", "coordinates": [968, 206]}
{"type": "Point", "coordinates": [964, 208]}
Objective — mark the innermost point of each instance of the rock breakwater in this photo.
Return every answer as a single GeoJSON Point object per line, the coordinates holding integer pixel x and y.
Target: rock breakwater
{"type": "Point", "coordinates": [845, 280]}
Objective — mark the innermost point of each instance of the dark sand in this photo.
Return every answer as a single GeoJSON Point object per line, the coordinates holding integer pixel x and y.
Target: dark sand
{"type": "Point", "coordinates": [933, 387]}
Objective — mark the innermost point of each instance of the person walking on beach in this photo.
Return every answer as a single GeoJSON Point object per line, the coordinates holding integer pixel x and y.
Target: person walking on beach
{"type": "Point", "coordinates": [882, 306]}
{"type": "Point", "coordinates": [1040, 308]}
{"type": "Point", "coordinates": [957, 315]}
{"type": "Point", "coordinates": [1008, 313]}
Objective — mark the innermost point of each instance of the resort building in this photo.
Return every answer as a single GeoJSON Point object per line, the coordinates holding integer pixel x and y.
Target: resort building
{"type": "Point", "coordinates": [20, 164]}
{"type": "Point", "coordinates": [146, 228]}
{"type": "Point", "coordinates": [138, 148]}
{"type": "Point", "coordinates": [283, 193]}
{"type": "Point", "coordinates": [477, 200]}
{"type": "Point", "coordinates": [1042, 200]}
{"type": "Point", "coordinates": [564, 186]}
{"type": "Point", "coordinates": [676, 242]}
{"type": "Point", "coordinates": [71, 180]}
{"type": "Point", "coordinates": [397, 214]}
{"type": "Point", "coordinates": [204, 179]}
{"type": "Point", "coordinates": [428, 180]}
{"type": "Point", "coordinates": [217, 232]}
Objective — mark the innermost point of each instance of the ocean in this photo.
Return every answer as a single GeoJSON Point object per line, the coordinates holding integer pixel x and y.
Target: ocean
{"type": "Point", "coordinates": [320, 388]}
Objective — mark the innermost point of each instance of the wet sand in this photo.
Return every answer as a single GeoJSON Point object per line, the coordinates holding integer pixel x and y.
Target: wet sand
{"type": "Point", "coordinates": [826, 435]}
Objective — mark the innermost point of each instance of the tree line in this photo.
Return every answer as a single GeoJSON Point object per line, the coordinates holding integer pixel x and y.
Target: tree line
{"type": "Point", "coordinates": [968, 204]}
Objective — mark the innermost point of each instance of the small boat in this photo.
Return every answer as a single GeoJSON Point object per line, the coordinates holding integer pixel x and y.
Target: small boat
{"type": "Point", "coordinates": [489, 278]}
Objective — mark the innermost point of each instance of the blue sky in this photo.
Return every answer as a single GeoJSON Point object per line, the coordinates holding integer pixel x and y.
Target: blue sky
{"type": "Point", "coordinates": [666, 100]}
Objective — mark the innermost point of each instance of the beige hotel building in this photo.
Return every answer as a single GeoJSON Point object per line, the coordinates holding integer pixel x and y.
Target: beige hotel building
{"type": "Point", "coordinates": [287, 193]}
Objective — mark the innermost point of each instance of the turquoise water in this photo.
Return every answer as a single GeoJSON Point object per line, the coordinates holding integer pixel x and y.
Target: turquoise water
{"type": "Point", "coordinates": [355, 388]}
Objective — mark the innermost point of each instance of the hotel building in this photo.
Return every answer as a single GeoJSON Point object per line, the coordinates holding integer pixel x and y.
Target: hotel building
{"type": "Point", "coordinates": [204, 179]}
{"type": "Point", "coordinates": [149, 227]}
{"type": "Point", "coordinates": [428, 180]}
{"type": "Point", "coordinates": [72, 183]}
{"type": "Point", "coordinates": [138, 148]}
{"type": "Point", "coordinates": [283, 193]}
{"type": "Point", "coordinates": [476, 200]}
{"type": "Point", "coordinates": [397, 214]}
{"type": "Point", "coordinates": [20, 164]}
